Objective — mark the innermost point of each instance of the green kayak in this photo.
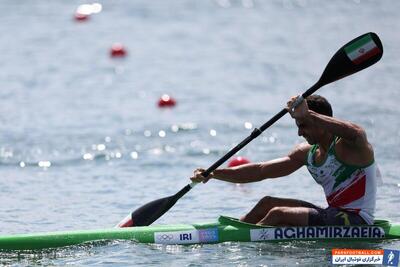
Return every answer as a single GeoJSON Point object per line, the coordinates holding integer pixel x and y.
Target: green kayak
{"type": "Point", "coordinates": [223, 230]}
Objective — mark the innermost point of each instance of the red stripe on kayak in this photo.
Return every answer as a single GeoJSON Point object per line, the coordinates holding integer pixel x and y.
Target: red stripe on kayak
{"type": "Point", "coordinates": [127, 222]}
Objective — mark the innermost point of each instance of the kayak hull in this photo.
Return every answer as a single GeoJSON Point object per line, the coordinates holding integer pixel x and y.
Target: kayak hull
{"type": "Point", "coordinates": [224, 230]}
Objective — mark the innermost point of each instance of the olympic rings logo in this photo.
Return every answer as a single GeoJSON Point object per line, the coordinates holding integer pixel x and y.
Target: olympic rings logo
{"type": "Point", "coordinates": [165, 237]}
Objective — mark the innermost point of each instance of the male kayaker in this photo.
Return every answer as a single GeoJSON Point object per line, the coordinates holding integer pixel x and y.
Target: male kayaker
{"type": "Point", "coordinates": [337, 155]}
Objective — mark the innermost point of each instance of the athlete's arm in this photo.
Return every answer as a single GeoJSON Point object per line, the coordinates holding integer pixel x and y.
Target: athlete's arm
{"type": "Point", "coordinates": [352, 133]}
{"type": "Point", "coordinates": [253, 172]}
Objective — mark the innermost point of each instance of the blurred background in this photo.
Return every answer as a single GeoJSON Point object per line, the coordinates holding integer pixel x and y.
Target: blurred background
{"type": "Point", "coordinates": [84, 141]}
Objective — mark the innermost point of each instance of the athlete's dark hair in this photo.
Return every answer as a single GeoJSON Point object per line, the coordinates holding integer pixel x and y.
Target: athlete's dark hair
{"type": "Point", "coordinates": [319, 104]}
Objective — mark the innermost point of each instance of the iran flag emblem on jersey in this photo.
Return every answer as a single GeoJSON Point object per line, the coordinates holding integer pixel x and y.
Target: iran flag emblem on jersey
{"type": "Point", "coordinates": [362, 49]}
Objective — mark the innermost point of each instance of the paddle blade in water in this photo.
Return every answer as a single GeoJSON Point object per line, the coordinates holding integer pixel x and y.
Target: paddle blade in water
{"type": "Point", "coordinates": [150, 212]}
{"type": "Point", "coordinates": [354, 56]}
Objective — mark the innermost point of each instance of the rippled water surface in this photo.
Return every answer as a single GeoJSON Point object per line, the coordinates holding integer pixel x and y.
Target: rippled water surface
{"type": "Point", "coordinates": [82, 142]}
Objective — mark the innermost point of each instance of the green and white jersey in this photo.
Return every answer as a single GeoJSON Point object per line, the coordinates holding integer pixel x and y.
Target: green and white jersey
{"type": "Point", "coordinates": [347, 187]}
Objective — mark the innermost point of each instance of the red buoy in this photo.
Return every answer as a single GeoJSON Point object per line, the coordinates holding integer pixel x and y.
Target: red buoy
{"type": "Point", "coordinates": [81, 17]}
{"type": "Point", "coordinates": [117, 50]}
{"type": "Point", "coordinates": [238, 161]}
{"type": "Point", "coordinates": [166, 101]}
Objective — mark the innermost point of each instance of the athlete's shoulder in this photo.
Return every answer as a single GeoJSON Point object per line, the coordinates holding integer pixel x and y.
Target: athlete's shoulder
{"type": "Point", "coordinates": [304, 147]}
{"type": "Point", "coordinates": [300, 152]}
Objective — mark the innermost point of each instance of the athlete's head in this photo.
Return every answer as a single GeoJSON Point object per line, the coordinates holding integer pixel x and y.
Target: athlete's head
{"type": "Point", "coordinates": [319, 104]}
{"type": "Point", "coordinates": [311, 133]}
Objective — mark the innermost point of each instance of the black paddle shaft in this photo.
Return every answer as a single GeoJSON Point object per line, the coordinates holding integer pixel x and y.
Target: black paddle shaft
{"type": "Point", "coordinates": [342, 64]}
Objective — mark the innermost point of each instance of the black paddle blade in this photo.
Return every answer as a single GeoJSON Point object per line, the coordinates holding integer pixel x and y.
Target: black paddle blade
{"type": "Point", "coordinates": [354, 56]}
{"type": "Point", "coordinates": [150, 212]}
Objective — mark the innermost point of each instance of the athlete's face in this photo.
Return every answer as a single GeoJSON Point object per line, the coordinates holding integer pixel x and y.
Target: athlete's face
{"type": "Point", "coordinates": [307, 130]}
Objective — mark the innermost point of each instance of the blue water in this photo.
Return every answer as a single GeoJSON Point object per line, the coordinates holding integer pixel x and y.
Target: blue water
{"type": "Point", "coordinates": [82, 142]}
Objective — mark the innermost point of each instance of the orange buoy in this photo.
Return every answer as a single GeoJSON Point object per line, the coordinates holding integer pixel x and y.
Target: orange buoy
{"type": "Point", "coordinates": [166, 101]}
{"type": "Point", "coordinates": [238, 161]}
{"type": "Point", "coordinates": [118, 50]}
